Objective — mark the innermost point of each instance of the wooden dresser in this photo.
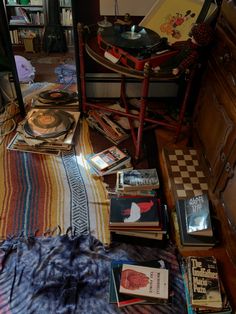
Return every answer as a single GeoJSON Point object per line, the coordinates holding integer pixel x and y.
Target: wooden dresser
{"type": "Point", "coordinates": [214, 127]}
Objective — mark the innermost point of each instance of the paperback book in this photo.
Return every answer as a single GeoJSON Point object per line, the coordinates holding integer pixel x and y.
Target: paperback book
{"type": "Point", "coordinates": [122, 299]}
{"type": "Point", "coordinates": [134, 211]}
{"type": "Point", "coordinates": [126, 164]}
{"type": "Point", "coordinates": [226, 307]}
{"type": "Point", "coordinates": [144, 281]}
{"type": "Point", "coordinates": [108, 158]}
{"type": "Point", "coordinates": [203, 280]}
{"type": "Point", "coordinates": [142, 179]}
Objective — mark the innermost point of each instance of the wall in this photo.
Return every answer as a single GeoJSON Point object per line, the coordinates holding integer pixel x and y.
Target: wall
{"type": "Point", "coordinates": [133, 7]}
{"type": "Point", "coordinates": [108, 85]}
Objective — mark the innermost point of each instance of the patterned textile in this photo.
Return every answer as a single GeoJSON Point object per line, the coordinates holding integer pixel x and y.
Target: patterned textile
{"type": "Point", "coordinates": [41, 192]}
{"type": "Point", "coordinates": [66, 274]}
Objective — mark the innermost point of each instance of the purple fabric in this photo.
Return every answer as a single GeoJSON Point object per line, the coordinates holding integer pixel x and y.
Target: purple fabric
{"type": "Point", "coordinates": [66, 274]}
{"type": "Point", "coordinates": [25, 70]}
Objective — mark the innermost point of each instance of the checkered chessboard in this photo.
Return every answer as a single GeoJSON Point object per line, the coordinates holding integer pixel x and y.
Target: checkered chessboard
{"type": "Point", "coordinates": [186, 176]}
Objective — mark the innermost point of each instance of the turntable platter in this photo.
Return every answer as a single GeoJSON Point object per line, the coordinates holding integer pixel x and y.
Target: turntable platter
{"type": "Point", "coordinates": [48, 123]}
{"type": "Point", "coordinates": [134, 37]}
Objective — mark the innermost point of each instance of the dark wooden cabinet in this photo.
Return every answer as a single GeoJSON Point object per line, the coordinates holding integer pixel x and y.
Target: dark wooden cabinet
{"type": "Point", "coordinates": [215, 124]}
{"type": "Point", "coordinates": [215, 127]}
{"type": "Point", "coordinates": [226, 200]}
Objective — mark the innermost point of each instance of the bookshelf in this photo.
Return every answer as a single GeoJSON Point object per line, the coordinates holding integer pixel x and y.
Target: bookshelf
{"type": "Point", "coordinates": [28, 20]}
{"type": "Point", "coordinates": [25, 21]}
{"type": "Point", "coordinates": [67, 21]}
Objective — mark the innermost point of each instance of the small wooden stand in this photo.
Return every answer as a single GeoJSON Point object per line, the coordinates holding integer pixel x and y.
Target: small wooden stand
{"type": "Point", "coordinates": [90, 46]}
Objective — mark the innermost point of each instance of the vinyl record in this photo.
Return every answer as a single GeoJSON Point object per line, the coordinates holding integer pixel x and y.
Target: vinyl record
{"type": "Point", "coordinates": [57, 95]}
{"type": "Point", "coordinates": [132, 38]}
{"type": "Point", "coordinates": [48, 123]}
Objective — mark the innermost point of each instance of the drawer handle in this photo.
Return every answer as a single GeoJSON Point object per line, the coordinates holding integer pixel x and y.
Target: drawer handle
{"type": "Point", "coordinates": [232, 78]}
{"type": "Point", "coordinates": [229, 170]}
{"type": "Point", "coordinates": [225, 58]}
{"type": "Point", "coordinates": [222, 157]}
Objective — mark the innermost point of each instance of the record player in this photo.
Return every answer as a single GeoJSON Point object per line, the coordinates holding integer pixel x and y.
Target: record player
{"type": "Point", "coordinates": [134, 46]}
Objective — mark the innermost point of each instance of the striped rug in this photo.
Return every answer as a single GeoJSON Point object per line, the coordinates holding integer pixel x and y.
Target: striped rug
{"type": "Point", "coordinates": [41, 192]}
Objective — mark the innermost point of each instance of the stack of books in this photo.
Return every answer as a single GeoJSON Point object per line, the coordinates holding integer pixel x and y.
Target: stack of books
{"type": "Point", "coordinates": [138, 216]}
{"type": "Point", "coordinates": [137, 182]}
{"type": "Point", "coordinates": [108, 161]}
{"type": "Point", "coordinates": [204, 290]}
{"type": "Point", "coordinates": [130, 283]}
{"type": "Point", "coordinates": [193, 227]}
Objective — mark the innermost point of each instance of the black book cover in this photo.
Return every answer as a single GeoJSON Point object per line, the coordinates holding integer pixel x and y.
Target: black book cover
{"type": "Point", "coordinates": [204, 284]}
{"type": "Point", "coordinates": [188, 239]}
{"type": "Point", "coordinates": [130, 211]}
{"type": "Point", "coordinates": [197, 212]}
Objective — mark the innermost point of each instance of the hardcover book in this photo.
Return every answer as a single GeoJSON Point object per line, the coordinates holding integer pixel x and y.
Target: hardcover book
{"type": "Point", "coordinates": [141, 234]}
{"type": "Point", "coordinates": [134, 211]}
{"type": "Point", "coordinates": [204, 284]}
{"type": "Point", "coordinates": [197, 213]}
{"type": "Point", "coordinates": [147, 282]}
{"type": "Point", "coordinates": [190, 239]}
{"type": "Point", "coordinates": [108, 158]}
{"type": "Point", "coordinates": [143, 179]}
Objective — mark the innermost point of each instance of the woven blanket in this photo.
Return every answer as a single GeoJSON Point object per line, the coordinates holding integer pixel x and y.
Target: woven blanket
{"type": "Point", "coordinates": [41, 192]}
{"type": "Point", "coordinates": [66, 274]}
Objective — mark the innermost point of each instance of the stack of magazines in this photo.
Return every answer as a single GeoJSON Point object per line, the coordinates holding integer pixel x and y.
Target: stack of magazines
{"type": "Point", "coordinates": [102, 122]}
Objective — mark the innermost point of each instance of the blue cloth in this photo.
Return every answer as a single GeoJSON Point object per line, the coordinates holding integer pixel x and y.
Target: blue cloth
{"type": "Point", "coordinates": [66, 274]}
{"type": "Point", "coordinates": [66, 74]}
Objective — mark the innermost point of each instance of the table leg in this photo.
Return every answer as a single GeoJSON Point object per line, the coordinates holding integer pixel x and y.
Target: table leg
{"type": "Point", "coordinates": [142, 112]}
{"type": "Point", "coordinates": [82, 67]}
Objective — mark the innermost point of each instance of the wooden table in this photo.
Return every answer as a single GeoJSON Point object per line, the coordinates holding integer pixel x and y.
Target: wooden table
{"type": "Point", "coordinates": [91, 47]}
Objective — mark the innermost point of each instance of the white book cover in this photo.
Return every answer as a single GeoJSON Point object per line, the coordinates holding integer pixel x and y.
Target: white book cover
{"type": "Point", "coordinates": [145, 281]}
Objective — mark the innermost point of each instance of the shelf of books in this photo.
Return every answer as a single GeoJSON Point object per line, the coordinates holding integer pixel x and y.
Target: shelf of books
{"type": "Point", "coordinates": [26, 22]}
{"type": "Point", "coordinates": [66, 21]}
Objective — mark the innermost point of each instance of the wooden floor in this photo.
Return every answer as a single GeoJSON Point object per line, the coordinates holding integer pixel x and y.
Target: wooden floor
{"type": "Point", "coordinates": [165, 138]}
{"type": "Point", "coordinates": [45, 64]}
